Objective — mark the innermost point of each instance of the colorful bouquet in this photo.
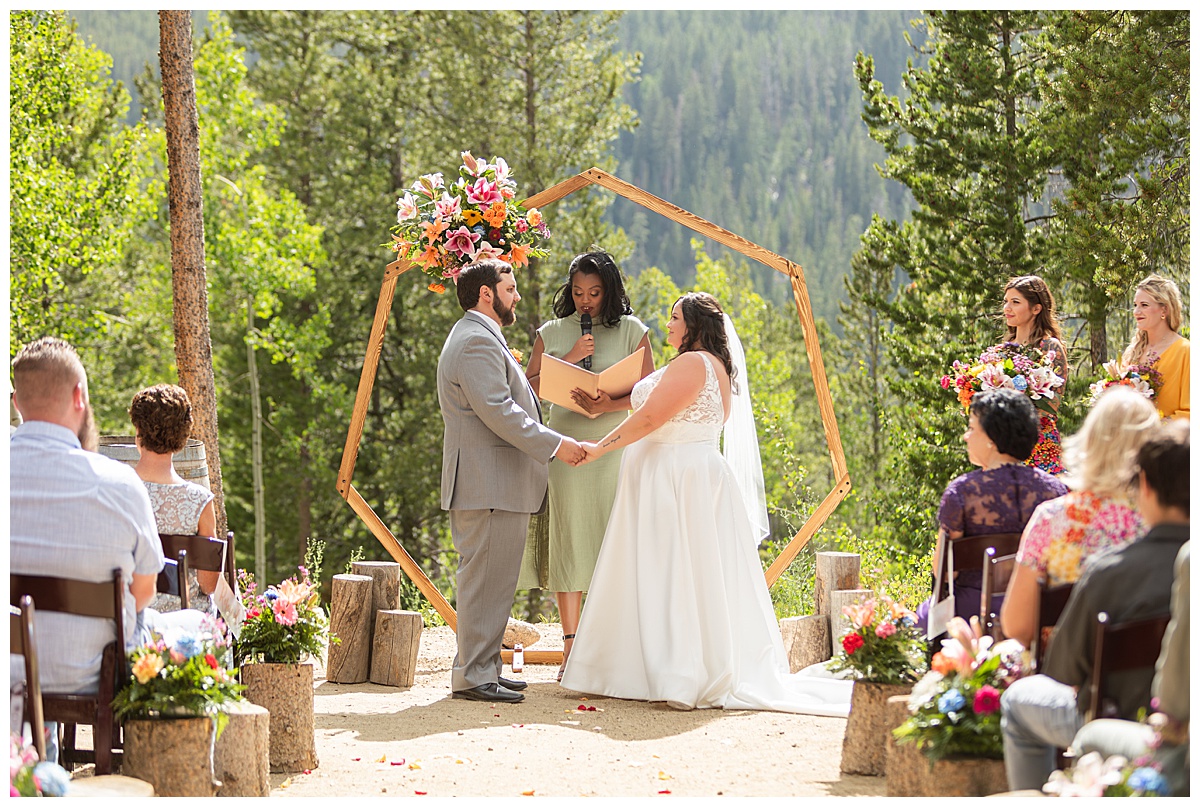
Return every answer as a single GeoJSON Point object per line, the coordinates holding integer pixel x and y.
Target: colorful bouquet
{"type": "Point", "coordinates": [283, 624]}
{"type": "Point", "coordinates": [1093, 776]}
{"type": "Point", "coordinates": [883, 644]}
{"type": "Point", "coordinates": [187, 675]}
{"type": "Point", "coordinates": [29, 777]}
{"type": "Point", "coordinates": [1020, 367]}
{"type": "Point", "coordinates": [1143, 378]}
{"type": "Point", "coordinates": [443, 228]}
{"type": "Point", "coordinates": [956, 706]}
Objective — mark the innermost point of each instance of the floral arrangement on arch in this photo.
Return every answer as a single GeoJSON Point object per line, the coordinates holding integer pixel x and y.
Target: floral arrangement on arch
{"type": "Point", "coordinates": [29, 777]}
{"type": "Point", "coordinates": [883, 645]}
{"type": "Point", "coordinates": [284, 623]}
{"type": "Point", "coordinates": [955, 707]}
{"type": "Point", "coordinates": [1024, 368]}
{"type": "Point", "coordinates": [1093, 775]}
{"type": "Point", "coordinates": [186, 676]}
{"type": "Point", "coordinates": [444, 227]}
{"type": "Point", "coordinates": [1142, 378]}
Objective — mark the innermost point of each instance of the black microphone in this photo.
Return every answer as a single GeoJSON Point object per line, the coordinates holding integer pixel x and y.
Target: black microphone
{"type": "Point", "coordinates": [585, 325]}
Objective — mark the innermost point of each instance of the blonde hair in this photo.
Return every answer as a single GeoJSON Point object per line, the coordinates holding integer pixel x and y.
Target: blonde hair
{"type": "Point", "coordinates": [1101, 456]}
{"type": "Point", "coordinates": [1164, 292]}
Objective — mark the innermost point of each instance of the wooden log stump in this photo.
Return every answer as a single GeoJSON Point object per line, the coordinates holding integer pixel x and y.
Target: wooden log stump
{"type": "Point", "coordinates": [864, 746]}
{"type": "Point", "coordinates": [910, 773]}
{"type": "Point", "coordinates": [906, 765]}
{"type": "Point", "coordinates": [836, 571]}
{"type": "Point", "coordinates": [175, 755]}
{"type": "Point", "coordinates": [806, 640]}
{"type": "Point", "coordinates": [242, 755]}
{"type": "Point", "coordinates": [395, 647]}
{"type": "Point", "coordinates": [838, 623]}
{"type": "Point", "coordinates": [385, 590]}
{"type": "Point", "coordinates": [286, 691]}
{"type": "Point", "coordinates": [350, 658]}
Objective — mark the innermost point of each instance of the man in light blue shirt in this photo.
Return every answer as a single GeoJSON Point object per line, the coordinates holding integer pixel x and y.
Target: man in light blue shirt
{"type": "Point", "coordinates": [74, 513]}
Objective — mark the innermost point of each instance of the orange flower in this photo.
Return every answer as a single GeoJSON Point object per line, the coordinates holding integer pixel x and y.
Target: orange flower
{"type": "Point", "coordinates": [429, 257]}
{"type": "Point", "coordinates": [437, 288]}
{"type": "Point", "coordinates": [519, 256]}
{"type": "Point", "coordinates": [534, 217]}
{"type": "Point", "coordinates": [940, 664]}
{"type": "Point", "coordinates": [495, 214]}
{"type": "Point", "coordinates": [401, 245]}
{"type": "Point", "coordinates": [964, 395]}
{"type": "Point", "coordinates": [433, 230]}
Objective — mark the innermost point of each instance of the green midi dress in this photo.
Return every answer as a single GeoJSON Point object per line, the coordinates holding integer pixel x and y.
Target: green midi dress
{"type": "Point", "coordinates": [561, 550]}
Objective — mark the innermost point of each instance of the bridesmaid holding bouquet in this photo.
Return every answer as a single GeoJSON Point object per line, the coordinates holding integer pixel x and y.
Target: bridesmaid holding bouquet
{"type": "Point", "coordinates": [1029, 314]}
{"type": "Point", "coordinates": [1158, 314]}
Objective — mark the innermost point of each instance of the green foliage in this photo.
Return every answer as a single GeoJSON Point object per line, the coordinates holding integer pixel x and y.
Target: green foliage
{"type": "Point", "coordinates": [188, 678]}
{"type": "Point", "coordinates": [356, 555]}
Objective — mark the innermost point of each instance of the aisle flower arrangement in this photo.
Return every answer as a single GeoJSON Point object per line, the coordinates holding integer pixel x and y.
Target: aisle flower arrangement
{"type": "Point", "coordinates": [1142, 378]}
{"type": "Point", "coordinates": [1012, 365]}
{"type": "Point", "coordinates": [883, 644]}
{"type": "Point", "coordinates": [283, 624]}
{"type": "Point", "coordinates": [1093, 776]}
{"type": "Point", "coordinates": [29, 777]}
{"type": "Point", "coordinates": [442, 227]}
{"type": "Point", "coordinates": [186, 676]}
{"type": "Point", "coordinates": [955, 707]}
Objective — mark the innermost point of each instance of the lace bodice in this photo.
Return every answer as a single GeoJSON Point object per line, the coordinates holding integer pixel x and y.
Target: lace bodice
{"type": "Point", "coordinates": [699, 421]}
{"type": "Point", "coordinates": [177, 508]}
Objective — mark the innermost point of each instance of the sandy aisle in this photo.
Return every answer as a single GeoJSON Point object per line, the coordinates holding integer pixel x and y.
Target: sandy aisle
{"type": "Point", "coordinates": [545, 746]}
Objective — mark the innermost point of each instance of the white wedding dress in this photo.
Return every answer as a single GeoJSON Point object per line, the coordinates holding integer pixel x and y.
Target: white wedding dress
{"type": "Point", "coordinates": [678, 608]}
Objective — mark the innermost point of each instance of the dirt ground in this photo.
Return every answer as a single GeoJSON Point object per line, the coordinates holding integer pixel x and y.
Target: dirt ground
{"type": "Point", "coordinates": [383, 741]}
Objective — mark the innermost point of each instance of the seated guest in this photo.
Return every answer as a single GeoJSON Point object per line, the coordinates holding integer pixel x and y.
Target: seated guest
{"type": "Point", "coordinates": [998, 497]}
{"type": "Point", "coordinates": [1164, 737]}
{"type": "Point", "coordinates": [1043, 712]}
{"type": "Point", "coordinates": [1097, 514]}
{"type": "Point", "coordinates": [162, 419]}
{"type": "Point", "coordinates": [74, 513]}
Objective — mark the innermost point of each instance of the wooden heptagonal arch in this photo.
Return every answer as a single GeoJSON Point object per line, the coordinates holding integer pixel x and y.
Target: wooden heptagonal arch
{"type": "Point", "coordinates": [595, 176]}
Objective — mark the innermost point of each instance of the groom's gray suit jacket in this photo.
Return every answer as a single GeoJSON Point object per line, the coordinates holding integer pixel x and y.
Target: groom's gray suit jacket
{"type": "Point", "coordinates": [496, 450]}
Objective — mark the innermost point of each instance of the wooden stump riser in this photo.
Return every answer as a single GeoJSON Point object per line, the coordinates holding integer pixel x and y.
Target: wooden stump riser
{"type": "Point", "coordinates": [286, 692]}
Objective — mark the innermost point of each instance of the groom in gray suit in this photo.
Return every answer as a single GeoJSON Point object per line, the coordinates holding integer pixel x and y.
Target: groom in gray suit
{"type": "Point", "coordinates": [494, 472]}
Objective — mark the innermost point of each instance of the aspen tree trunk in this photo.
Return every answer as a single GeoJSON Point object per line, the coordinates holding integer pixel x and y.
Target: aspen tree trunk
{"type": "Point", "coordinates": [193, 345]}
{"type": "Point", "coordinates": [256, 454]}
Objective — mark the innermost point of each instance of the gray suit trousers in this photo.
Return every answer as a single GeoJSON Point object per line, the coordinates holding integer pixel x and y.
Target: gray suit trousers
{"type": "Point", "coordinates": [490, 543]}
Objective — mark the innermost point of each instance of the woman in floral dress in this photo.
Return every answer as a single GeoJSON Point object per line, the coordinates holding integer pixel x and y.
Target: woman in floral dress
{"type": "Point", "coordinates": [1097, 514]}
{"type": "Point", "coordinates": [1030, 318]}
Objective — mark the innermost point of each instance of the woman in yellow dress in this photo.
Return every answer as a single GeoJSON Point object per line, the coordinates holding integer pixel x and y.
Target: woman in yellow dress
{"type": "Point", "coordinates": [1158, 314]}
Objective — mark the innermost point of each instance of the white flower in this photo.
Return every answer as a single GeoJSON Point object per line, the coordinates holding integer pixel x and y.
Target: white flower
{"type": "Point", "coordinates": [407, 207]}
{"type": "Point", "coordinates": [993, 377]}
{"type": "Point", "coordinates": [1042, 380]}
{"type": "Point", "coordinates": [924, 690]}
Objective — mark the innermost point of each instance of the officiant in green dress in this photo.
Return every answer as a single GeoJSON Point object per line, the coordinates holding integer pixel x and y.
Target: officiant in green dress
{"type": "Point", "coordinates": [560, 554]}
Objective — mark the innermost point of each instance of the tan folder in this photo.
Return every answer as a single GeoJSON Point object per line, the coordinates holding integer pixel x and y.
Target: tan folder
{"type": "Point", "coordinates": [559, 378]}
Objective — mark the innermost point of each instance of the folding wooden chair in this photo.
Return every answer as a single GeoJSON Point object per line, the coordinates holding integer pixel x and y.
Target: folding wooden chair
{"type": "Point", "coordinates": [21, 642]}
{"type": "Point", "coordinates": [1052, 600]}
{"type": "Point", "coordinates": [997, 571]}
{"type": "Point", "coordinates": [103, 600]}
{"type": "Point", "coordinates": [173, 578]}
{"type": "Point", "coordinates": [1131, 645]}
{"type": "Point", "coordinates": [204, 554]}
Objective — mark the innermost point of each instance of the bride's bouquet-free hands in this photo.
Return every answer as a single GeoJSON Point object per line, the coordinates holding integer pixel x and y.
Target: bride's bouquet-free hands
{"type": "Point", "coordinates": [592, 451]}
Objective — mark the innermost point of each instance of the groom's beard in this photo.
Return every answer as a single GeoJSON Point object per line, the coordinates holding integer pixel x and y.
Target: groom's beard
{"type": "Point", "coordinates": [507, 315]}
{"type": "Point", "coordinates": [89, 437]}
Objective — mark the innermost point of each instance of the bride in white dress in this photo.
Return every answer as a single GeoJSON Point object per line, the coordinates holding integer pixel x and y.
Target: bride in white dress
{"type": "Point", "coordinates": [678, 609]}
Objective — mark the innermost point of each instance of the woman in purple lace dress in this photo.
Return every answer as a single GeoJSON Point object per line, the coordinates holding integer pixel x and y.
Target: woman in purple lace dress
{"type": "Point", "coordinates": [999, 496]}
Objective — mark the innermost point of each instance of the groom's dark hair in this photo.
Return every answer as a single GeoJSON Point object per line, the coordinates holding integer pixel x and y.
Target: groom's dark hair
{"type": "Point", "coordinates": [474, 277]}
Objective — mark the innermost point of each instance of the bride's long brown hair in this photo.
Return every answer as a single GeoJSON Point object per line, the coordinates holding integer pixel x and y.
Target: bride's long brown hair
{"type": "Point", "coordinates": [705, 322]}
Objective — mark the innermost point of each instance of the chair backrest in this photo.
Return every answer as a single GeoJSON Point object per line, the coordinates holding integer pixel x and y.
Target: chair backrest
{"type": "Point", "coordinates": [203, 553]}
{"type": "Point", "coordinates": [968, 552]}
{"type": "Point", "coordinates": [21, 641]}
{"type": "Point", "coordinates": [1130, 645]}
{"type": "Point", "coordinates": [1052, 600]}
{"type": "Point", "coordinates": [997, 571]}
{"type": "Point", "coordinates": [78, 597]}
{"type": "Point", "coordinates": [173, 578]}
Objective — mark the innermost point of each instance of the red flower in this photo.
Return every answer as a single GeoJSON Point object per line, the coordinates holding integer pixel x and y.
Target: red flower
{"type": "Point", "coordinates": [210, 660]}
{"type": "Point", "coordinates": [987, 700]}
{"type": "Point", "coordinates": [251, 613]}
{"type": "Point", "coordinates": [851, 642]}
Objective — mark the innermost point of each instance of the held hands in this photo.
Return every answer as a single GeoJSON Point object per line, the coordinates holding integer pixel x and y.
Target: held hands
{"type": "Point", "coordinates": [570, 452]}
{"type": "Point", "coordinates": [584, 346]}
{"type": "Point", "coordinates": [592, 452]}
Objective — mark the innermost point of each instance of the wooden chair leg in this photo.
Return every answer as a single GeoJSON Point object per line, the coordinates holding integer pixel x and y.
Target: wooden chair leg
{"type": "Point", "coordinates": [102, 740]}
{"type": "Point", "coordinates": [66, 746]}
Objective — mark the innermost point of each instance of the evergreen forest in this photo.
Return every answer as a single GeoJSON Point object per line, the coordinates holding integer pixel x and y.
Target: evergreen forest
{"type": "Point", "coordinates": [910, 162]}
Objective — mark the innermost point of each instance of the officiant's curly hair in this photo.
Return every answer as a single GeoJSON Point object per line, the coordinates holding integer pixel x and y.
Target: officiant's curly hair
{"type": "Point", "coordinates": [615, 303]}
{"type": "Point", "coordinates": [162, 416]}
{"type": "Point", "coordinates": [705, 323]}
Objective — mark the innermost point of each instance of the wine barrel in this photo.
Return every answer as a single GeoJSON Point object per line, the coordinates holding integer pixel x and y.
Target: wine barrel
{"type": "Point", "coordinates": [190, 462]}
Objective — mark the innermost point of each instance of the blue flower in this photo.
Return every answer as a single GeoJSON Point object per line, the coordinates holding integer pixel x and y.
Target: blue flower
{"type": "Point", "coordinates": [53, 779]}
{"type": "Point", "coordinates": [1148, 780]}
{"type": "Point", "coordinates": [906, 621]}
{"type": "Point", "coordinates": [1020, 383]}
{"type": "Point", "coordinates": [951, 701]}
{"type": "Point", "coordinates": [272, 594]}
{"type": "Point", "coordinates": [189, 646]}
